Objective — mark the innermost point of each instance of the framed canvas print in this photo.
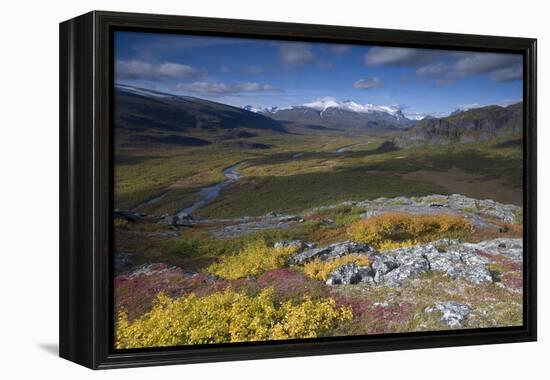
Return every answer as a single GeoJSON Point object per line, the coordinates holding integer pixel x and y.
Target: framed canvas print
{"type": "Point", "coordinates": [237, 189]}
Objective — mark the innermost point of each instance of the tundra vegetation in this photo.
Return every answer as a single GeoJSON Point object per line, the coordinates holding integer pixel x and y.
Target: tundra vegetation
{"type": "Point", "coordinates": [382, 255]}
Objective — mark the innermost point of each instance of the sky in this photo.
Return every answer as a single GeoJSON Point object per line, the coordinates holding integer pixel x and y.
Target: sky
{"type": "Point", "coordinates": [270, 73]}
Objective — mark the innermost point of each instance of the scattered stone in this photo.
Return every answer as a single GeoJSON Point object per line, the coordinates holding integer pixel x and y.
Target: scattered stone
{"type": "Point", "coordinates": [128, 215]}
{"type": "Point", "coordinates": [122, 262]}
{"type": "Point", "coordinates": [180, 220]}
{"type": "Point", "coordinates": [151, 269]}
{"type": "Point", "coordinates": [453, 313]}
{"type": "Point", "coordinates": [247, 225]}
{"type": "Point", "coordinates": [330, 252]}
{"type": "Point", "coordinates": [298, 244]}
{"type": "Point", "coordinates": [351, 274]}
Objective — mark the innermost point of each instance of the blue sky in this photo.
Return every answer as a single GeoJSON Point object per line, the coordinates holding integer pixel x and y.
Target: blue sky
{"type": "Point", "coordinates": [266, 73]}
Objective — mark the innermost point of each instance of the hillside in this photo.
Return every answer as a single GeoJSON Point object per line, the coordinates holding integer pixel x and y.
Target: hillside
{"type": "Point", "coordinates": [145, 116]}
{"type": "Point", "coordinates": [479, 124]}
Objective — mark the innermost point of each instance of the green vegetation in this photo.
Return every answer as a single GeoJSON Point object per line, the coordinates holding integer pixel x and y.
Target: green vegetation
{"type": "Point", "coordinates": [275, 181]}
{"type": "Point", "coordinates": [226, 317]}
{"type": "Point", "coordinates": [518, 217]}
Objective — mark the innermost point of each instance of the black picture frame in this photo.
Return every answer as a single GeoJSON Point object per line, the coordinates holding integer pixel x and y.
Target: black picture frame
{"type": "Point", "coordinates": [86, 268]}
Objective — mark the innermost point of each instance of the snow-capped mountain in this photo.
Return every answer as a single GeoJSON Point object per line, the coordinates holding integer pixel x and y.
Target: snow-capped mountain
{"type": "Point", "coordinates": [416, 116]}
{"type": "Point", "coordinates": [328, 102]}
{"type": "Point", "coordinates": [328, 112]}
{"type": "Point", "coordinates": [267, 110]}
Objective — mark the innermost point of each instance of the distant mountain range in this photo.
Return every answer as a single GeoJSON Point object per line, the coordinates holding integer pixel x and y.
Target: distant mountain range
{"type": "Point", "coordinates": [476, 124]}
{"type": "Point", "coordinates": [330, 114]}
{"type": "Point", "coordinates": [147, 117]}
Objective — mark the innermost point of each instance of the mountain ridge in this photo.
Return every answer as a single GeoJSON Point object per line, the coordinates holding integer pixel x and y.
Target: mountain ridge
{"type": "Point", "coordinates": [475, 124]}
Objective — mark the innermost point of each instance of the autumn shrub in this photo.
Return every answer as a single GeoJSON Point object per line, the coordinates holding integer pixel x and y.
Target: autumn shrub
{"type": "Point", "coordinates": [321, 270]}
{"type": "Point", "coordinates": [255, 258]}
{"type": "Point", "coordinates": [395, 230]}
{"type": "Point", "coordinates": [226, 317]}
{"type": "Point", "coordinates": [120, 223]}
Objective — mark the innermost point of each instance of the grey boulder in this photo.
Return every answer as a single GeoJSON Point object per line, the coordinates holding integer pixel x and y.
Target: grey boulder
{"type": "Point", "coordinates": [350, 274]}
{"type": "Point", "coordinates": [453, 314]}
{"type": "Point", "coordinates": [330, 252]}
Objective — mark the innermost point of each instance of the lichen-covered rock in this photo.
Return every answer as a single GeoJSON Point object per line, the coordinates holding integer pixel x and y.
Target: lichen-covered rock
{"type": "Point", "coordinates": [411, 267]}
{"type": "Point", "coordinates": [453, 313]}
{"type": "Point", "coordinates": [478, 274]}
{"type": "Point", "coordinates": [456, 259]}
{"type": "Point", "coordinates": [350, 274]}
{"type": "Point", "coordinates": [330, 252]}
{"type": "Point", "coordinates": [436, 204]}
{"type": "Point", "coordinates": [510, 248]}
{"type": "Point", "coordinates": [298, 244]}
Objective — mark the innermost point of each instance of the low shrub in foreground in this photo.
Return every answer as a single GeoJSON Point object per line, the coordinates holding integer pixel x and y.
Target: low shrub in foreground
{"type": "Point", "coordinates": [226, 317]}
{"type": "Point", "coordinates": [255, 258]}
{"type": "Point", "coordinates": [120, 223]}
{"type": "Point", "coordinates": [321, 270]}
{"type": "Point", "coordinates": [394, 230]}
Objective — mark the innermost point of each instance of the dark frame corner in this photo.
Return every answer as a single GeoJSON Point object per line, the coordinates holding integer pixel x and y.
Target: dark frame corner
{"type": "Point", "coordinates": [85, 188]}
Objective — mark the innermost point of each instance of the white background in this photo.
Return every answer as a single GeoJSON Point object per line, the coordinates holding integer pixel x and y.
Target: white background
{"type": "Point", "coordinates": [29, 187]}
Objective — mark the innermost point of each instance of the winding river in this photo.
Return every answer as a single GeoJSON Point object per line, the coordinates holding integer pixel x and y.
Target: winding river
{"type": "Point", "coordinates": [208, 194]}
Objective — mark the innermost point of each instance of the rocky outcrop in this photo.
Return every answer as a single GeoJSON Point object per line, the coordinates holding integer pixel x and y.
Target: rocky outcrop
{"type": "Point", "coordinates": [456, 259]}
{"type": "Point", "coordinates": [251, 224]}
{"type": "Point", "coordinates": [351, 274]}
{"type": "Point", "coordinates": [475, 210]}
{"type": "Point", "coordinates": [330, 252]}
{"type": "Point", "coordinates": [453, 314]}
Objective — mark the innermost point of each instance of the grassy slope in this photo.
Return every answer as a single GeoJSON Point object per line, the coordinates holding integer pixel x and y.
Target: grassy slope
{"type": "Point", "coordinates": [274, 180]}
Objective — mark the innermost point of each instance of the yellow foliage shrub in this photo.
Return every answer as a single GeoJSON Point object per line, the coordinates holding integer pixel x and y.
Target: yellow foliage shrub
{"type": "Point", "coordinates": [387, 245]}
{"type": "Point", "coordinates": [254, 259]}
{"type": "Point", "coordinates": [227, 317]}
{"type": "Point", "coordinates": [395, 230]}
{"type": "Point", "coordinates": [120, 222]}
{"type": "Point", "coordinates": [321, 270]}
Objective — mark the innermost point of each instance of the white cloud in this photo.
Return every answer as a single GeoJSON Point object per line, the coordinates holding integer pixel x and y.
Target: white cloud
{"type": "Point", "coordinates": [499, 67]}
{"type": "Point", "coordinates": [434, 69]}
{"type": "Point", "coordinates": [135, 69]}
{"type": "Point", "coordinates": [368, 83]}
{"type": "Point", "coordinates": [220, 89]}
{"type": "Point", "coordinates": [295, 53]}
{"type": "Point", "coordinates": [395, 56]}
{"type": "Point", "coordinates": [253, 70]}
{"type": "Point", "coordinates": [339, 50]}
{"type": "Point", "coordinates": [448, 66]}
{"type": "Point", "coordinates": [508, 74]}
{"type": "Point", "coordinates": [481, 63]}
